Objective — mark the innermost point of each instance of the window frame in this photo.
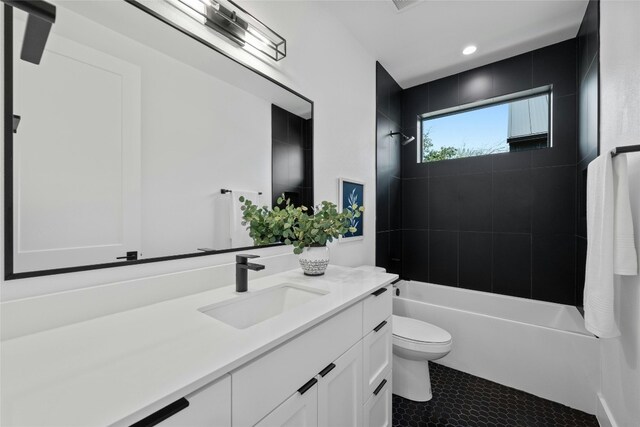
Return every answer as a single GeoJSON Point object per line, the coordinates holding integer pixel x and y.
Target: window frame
{"type": "Point", "coordinates": [484, 103]}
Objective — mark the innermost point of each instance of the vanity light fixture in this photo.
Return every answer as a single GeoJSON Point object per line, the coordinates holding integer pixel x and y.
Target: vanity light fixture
{"type": "Point", "coordinates": [236, 24]}
{"type": "Point", "coordinates": [469, 50]}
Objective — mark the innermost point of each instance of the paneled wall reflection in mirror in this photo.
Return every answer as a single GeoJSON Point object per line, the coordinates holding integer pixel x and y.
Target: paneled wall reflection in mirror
{"type": "Point", "coordinates": [130, 127]}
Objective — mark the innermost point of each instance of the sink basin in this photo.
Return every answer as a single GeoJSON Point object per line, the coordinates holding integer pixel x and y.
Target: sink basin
{"type": "Point", "coordinates": [256, 307]}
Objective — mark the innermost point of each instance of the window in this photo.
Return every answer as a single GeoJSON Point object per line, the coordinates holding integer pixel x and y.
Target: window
{"type": "Point", "coordinates": [510, 123]}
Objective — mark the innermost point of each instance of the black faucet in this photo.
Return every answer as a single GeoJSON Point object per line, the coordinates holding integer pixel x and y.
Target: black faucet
{"type": "Point", "coordinates": [241, 270]}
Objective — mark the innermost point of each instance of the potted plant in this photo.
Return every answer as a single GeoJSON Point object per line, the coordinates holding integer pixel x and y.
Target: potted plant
{"type": "Point", "coordinates": [308, 232]}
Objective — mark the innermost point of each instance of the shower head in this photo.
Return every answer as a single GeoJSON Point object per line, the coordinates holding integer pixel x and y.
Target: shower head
{"type": "Point", "coordinates": [405, 139]}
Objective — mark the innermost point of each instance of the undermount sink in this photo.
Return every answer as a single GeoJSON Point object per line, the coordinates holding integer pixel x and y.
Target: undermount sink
{"type": "Point", "coordinates": [256, 307]}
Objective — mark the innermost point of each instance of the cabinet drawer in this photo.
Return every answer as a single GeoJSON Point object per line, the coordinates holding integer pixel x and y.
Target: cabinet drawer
{"type": "Point", "coordinates": [377, 307]}
{"type": "Point", "coordinates": [261, 385]}
{"type": "Point", "coordinates": [300, 410]}
{"type": "Point", "coordinates": [377, 356]}
{"type": "Point", "coordinates": [209, 406]}
{"type": "Point", "coordinates": [377, 410]}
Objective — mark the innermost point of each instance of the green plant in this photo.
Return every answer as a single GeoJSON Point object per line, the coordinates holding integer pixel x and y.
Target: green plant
{"type": "Point", "coordinates": [429, 154]}
{"type": "Point", "coordinates": [297, 226]}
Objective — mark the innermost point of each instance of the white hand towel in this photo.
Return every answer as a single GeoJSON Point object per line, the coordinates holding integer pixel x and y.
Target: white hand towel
{"type": "Point", "coordinates": [239, 234]}
{"type": "Point", "coordinates": [598, 286]}
{"type": "Point", "coordinates": [221, 221]}
{"type": "Point", "coordinates": [625, 257]}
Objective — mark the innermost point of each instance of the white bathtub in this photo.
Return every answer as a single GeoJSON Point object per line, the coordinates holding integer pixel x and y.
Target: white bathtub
{"type": "Point", "coordinates": [538, 347]}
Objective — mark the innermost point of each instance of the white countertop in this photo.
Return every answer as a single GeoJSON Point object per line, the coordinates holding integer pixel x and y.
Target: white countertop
{"type": "Point", "coordinates": [121, 367]}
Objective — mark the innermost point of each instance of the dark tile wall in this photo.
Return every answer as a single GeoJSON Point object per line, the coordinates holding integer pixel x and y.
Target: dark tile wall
{"type": "Point", "coordinates": [504, 223]}
{"type": "Point", "coordinates": [292, 157]}
{"type": "Point", "coordinates": [588, 119]}
{"type": "Point", "coordinates": [389, 213]}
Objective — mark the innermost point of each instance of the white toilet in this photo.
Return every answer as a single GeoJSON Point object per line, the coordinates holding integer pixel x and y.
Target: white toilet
{"type": "Point", "coordinates": [415, 343]}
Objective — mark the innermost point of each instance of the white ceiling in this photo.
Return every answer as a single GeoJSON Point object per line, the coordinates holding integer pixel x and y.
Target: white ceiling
{"type": "Point", "coordinates": [424, 41]}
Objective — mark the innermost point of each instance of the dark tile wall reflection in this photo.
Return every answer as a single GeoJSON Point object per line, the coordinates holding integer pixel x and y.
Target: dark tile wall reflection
{"type": "Point", "coordinates": [588, 119]}
{"type": "Point", "coordinates": [292, 157]}
{"type": "Point", "coordinates": [504, 223]}
{"type": "Point", "coordinates": [388, 181]}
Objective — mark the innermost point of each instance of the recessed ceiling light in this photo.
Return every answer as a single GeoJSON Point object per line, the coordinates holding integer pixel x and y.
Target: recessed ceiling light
{"type": "Point", "coordinates": [469, 50]}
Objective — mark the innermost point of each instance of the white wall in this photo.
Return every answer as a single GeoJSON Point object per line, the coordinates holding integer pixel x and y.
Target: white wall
{"type": "Point", "coordinates": [620, 125]}
{"type": "Point", "coordinates": [324, 63]}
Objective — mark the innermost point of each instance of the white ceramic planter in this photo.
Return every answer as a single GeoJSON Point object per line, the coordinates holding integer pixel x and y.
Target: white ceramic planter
{"type": "Point", "coordinates": [314, 260]}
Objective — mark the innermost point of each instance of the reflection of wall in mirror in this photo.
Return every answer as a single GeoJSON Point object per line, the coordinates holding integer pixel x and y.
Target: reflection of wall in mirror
{"type": "Point", "coordinates": [292, 157]}
{"type": "Point", "coordinates": [77, 161]}
{"type": "Point", "coordinates": [198, 134]}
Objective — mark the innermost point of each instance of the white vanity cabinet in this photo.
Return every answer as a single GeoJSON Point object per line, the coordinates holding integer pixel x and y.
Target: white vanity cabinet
{"type": "Point", "coordinates": [300, 410]}
{"type": "Point", "coordinates": [377, 410]}
{"type": "Point", "coordinates": [376, 308]}
{"type": "Point", "coordinates": [207, 407]}
{"type": "Point", "coordinates": [263, 384]}
{"type": "Point", "coordinates": [377, 356]}
{"type": "Point", "coordinates": [377, 359]}
{"type": "Point", "coordinates": [332, 398]}
{"type": "Point", "coordinates": [336, 374]}
{"type": "Point", "coordinates": [339, 372]}
{"type": "Point", "coordinates": [324, 362]}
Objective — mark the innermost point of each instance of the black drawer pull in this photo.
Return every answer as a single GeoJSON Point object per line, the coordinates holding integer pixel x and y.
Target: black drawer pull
{"type": "Point", "coordinates": [164, 413]}
{"type": "Point", "coordinates": [377, 390]}
{"type": "Point", "coordinates": [307, 386]}
{"type": "Point", "coordinates": [380, 326]}
{"type": "Point", "coordinates": [379, 292]}
{"type": "Point", "coordinates": [326, 370]}
{"type": "Point", "coordinates": [130, 256]}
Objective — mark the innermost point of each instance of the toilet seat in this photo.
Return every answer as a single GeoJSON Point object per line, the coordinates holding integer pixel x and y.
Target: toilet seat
{"type": "Point", "coordinates": [413, 334]}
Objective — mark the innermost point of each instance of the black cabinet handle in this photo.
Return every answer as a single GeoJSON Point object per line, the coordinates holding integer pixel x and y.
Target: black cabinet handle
{"type": "Point", "coordinates": [380, 326]}
{"type": "Point", "coordinates": [130, 256]}
{"type": "Point", "coordinates": [379, 292]}
{"type": "Point", "coordinates": [307, 386]}
{"type": "Point", "coordinates": [377, 390]}
{"type": "Point", "coordinates": [328, 369]}
{"type": "Point", "coordinates": [164, 413]}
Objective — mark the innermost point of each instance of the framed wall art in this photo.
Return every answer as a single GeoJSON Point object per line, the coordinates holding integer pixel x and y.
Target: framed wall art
{"type": "Point", "coordinates": [351, 193]}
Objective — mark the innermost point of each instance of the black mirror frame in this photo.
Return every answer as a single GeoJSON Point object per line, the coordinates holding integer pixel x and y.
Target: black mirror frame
{"type": "Point", "coordinates": [9, 273]}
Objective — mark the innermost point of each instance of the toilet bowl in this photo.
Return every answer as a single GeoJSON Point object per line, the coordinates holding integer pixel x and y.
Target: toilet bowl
{"type": "Point", "coordinates": [415, 343]}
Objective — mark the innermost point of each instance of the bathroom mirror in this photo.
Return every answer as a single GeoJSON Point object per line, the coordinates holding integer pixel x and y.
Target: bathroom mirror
{"type": "Point", "coordinates": [134, 139]}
